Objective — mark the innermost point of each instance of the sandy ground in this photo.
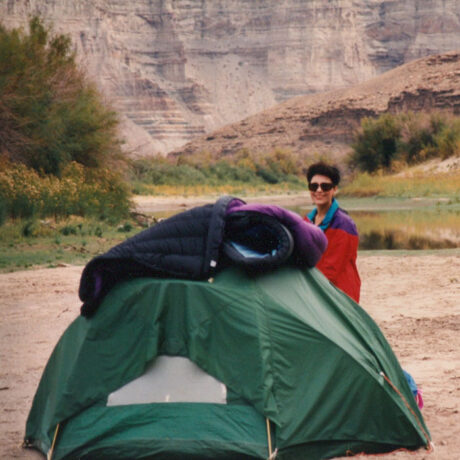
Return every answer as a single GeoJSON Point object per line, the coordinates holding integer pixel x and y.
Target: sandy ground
{"type": "Point", "coordinates": [414, 299]}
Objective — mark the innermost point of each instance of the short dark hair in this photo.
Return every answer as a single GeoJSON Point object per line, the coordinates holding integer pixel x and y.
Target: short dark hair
{"type": "Point", "coordinates": [324, 170]}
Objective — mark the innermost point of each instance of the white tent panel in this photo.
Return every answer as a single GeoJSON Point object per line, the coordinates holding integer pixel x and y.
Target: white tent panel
{"type": "Point", "coordinates": [170, 379]}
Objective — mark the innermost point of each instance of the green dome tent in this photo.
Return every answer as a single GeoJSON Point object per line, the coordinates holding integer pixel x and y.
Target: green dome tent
{"type": "Point", "coordinates": [280, 363]}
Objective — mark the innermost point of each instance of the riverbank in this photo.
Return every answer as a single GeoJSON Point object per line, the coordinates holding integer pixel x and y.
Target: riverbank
{"type": "Point", "coordinates": [157, 204]}
{"type": "Point", "coordinates": [395, 223]}
{"type": "Point", "coordinates": [153, 204]}
{"type": "Point", "coordinates": [414, 300]}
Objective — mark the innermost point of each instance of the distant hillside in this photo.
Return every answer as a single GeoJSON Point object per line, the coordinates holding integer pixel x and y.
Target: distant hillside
{"type": "Point", "coordinates": [179, 69]}
{"type": "Point", "coordinates": [325, 122]}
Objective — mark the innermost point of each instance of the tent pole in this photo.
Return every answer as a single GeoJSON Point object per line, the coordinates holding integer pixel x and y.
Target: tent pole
{"type": "Point", "coordinates": [269, 438]}
{"type": "Point", "coordinates": [50, 452]}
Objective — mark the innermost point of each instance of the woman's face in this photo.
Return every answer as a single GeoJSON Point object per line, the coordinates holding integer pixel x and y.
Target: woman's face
{"type": "Point", "coordinates": [321, 197]}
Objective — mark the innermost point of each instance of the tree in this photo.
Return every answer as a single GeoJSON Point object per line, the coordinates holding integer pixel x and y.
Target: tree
{"type": "Point", "coordinates": [50, 114]}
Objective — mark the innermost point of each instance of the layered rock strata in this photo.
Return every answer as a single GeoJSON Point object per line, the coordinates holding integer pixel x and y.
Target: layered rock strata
{"type": "Point", "coordinates": [324, 123]}
{"type": "Point", "coordinates": [177, 69]}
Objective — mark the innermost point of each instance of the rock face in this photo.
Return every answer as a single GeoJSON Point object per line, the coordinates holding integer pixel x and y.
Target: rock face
{"type": "Point", "coordinates": [177, 69]}
{"type": "Point", "coordinates": [324, 123]}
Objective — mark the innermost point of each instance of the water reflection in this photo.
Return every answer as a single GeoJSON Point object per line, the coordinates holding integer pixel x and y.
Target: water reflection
{"type": "Point", "coordinates": [431, 227]}
{"type": "Point", "coordinates": [414, 229]}
{"type": "Point", "coordinates": [418, 228]}
{"type": "Point", "coordinates": [399, 240]}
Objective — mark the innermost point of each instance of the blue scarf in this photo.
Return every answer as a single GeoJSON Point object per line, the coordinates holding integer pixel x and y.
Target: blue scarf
{"type": "Point", "coordinates": [328, 217]}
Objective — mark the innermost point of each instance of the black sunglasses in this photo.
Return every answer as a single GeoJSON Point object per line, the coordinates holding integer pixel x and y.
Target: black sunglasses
{"type": "Point", "coordinates": [325, 186]}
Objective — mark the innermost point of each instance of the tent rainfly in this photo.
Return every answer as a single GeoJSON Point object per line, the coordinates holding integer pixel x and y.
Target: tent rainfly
{"type": "Point", "coordinates": [277, 364]}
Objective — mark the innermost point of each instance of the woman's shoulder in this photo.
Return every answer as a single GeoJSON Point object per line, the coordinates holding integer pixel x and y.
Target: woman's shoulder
{"type": "Point", "coordinates": [343, 221]}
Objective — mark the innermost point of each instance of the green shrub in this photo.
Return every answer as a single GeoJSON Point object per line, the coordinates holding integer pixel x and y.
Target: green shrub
{"type": "Point", "coordinates": [125, 228]}
{"type": "Point", "coordinates": [224, 172]}
{"type": "Point", "coordinates": [68, 230]}
{"type": "Point", "coordinates": [50, 115]}
{"type": "Point", "coordinates": [416, 142]}
{"type": "Point", "coordinates": [159, 171]}
{"type": "Point", "coordinates": [447, 139]}
{"type": "Point", "coordinates": [375, 144]}
{"type": "Point", "coordinates": [405, 138]}
{"type": "Point", "coordinates": [3, 211]}
{"type": "Point", "coordinates": [243, 169]}
{"type": "Point", "coordinates": [282, 163]}
{"type": "Point", "coordinates": [30, 229]}
{"type": "Point", "coordinates": [81, 191]}
{"type": "Point", "coordinates": [267, 175]}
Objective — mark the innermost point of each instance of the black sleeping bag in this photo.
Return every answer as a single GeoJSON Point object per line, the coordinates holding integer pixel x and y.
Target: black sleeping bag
{"type": "Point", "coordinates": [196, 243]}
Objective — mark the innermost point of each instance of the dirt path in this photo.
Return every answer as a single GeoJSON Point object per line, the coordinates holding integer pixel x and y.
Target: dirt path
{"type": "Point", "coordinates": [414, 299]}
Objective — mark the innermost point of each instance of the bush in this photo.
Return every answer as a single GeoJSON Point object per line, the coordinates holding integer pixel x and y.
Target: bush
{"type": "Point", "coordinates": [3, 211]}
{"type": "Point", "coordinates": [160, 171]}
{"type": "Point", "coordinates": [282, 163]}
{"type": "Point", "coordinates": [224, 172]}
{"type": "Point", "coordinates": [81, 191]}
{"type": "Point", "coordinates": [125, 228]}
{"type": "Point", "coordinates": [50, 115]}
{"type": "Point", "coordinates": [30, 229]}
{"type": "Point", "coordinates": [406, 138]}
{"type": "Point", "coordinates": [375, 144]}
{"type": "Point", "coordinates": [267, 175]}
{"type": "Point", "coordinates": [69, 229]}
{"type": "Point", "coordinates": [243, 169]}
{"type": "Point", "coordinates": [447, 139]}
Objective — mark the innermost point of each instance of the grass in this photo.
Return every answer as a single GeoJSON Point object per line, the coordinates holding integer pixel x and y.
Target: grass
{"type": "Point", "coordinates": [206, 190]}
{"type": "Point", "coordinates": [445, 184]}
{"type": "Point", "coordinates": [421, 211]}
{"type": "Point", "coordinates": [28, 244]}
{"type": "Point", "coordinates": [392, 223]}
{"type": "Point", "coordinates": [415, 220]}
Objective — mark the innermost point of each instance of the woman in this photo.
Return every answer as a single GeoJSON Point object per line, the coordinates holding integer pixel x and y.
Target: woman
{"type": "Point", "coordinates": [338, 262]}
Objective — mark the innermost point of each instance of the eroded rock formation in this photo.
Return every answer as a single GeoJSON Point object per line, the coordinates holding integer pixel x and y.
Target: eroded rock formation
{"type": "Point", "coordinates": [177, 69]}
{"type": "Point", "coordinates": [324, 123]}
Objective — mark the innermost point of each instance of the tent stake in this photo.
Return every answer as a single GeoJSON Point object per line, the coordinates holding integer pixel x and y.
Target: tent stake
{"type": "Point", "coordinates": [50, 452]}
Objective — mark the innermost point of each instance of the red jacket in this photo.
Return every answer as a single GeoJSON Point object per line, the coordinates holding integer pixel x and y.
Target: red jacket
{"type": "Point", "coordinates": [338, 262]}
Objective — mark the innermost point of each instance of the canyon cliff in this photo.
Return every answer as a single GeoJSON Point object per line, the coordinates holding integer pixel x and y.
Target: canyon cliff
{"type": "Point", "coordinates": [323, 124]}
{"type": "Point", "coordinates": [178, 69]}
